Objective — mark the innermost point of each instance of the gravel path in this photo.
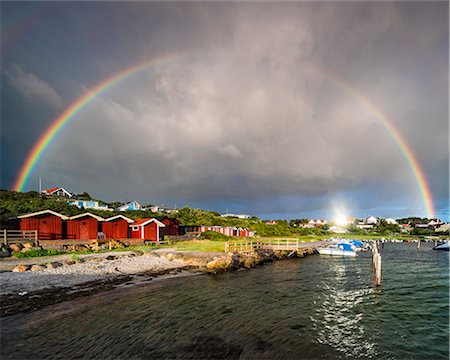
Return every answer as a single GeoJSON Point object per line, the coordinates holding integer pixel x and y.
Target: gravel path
{"type": "Point", "coordinates": [95, 268]}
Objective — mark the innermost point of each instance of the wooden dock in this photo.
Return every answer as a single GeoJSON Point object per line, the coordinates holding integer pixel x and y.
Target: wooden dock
{"type": "Point", "coordinates": [281, 244]}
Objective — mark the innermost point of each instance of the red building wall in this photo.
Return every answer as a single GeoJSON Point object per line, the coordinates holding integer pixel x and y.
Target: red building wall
{"type": "Point", "coordinates": [150, 232]}
{"type": "Point", "coordinates": [171, 227]}
{"type": "Point", "coordinates": [115, 229]}
{"type": "Point", "coordinates": [49, 226]}
{"type": "Point", "coordinates": [82, 229]}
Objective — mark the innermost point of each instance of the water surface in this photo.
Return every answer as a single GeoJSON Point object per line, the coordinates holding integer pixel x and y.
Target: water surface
{"type": "Point", "coordinates": [307, 308]}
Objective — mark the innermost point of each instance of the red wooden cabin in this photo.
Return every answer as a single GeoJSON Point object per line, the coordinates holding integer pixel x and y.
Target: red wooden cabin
{"type": "Point", "coordinates": [173, 226]}
{"type": "Point", "coordinates": [48, 223]}
{"type": "Point", "coordinates": [116, 227]}
{"type": "Point", "coordinates": [84, 226]}
{"type": "Point", "coordinates": [146, 229]}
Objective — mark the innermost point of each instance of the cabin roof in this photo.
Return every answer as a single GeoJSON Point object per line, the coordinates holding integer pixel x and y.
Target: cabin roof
{"type": "Point", "coordinates": [99, 218]}
{"type": "Point", "coordinates": [146, 221]}
{"type": "Point", "coordinates": [42, 213]}
{"type": "Point", "coordinates": [112, 218]}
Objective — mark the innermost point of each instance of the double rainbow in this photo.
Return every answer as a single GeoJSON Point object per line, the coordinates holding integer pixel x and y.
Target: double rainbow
{"type": "Point", "coordinates": [35, 154]}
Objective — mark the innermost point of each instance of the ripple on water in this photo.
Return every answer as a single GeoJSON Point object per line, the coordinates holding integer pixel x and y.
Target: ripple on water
{"type": "Point", "coordinates": [307, 308]}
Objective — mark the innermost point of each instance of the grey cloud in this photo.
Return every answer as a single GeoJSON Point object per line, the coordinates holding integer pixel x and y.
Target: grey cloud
{"type": "Point", "coordinates": [33, 88]}
{"type": "Point", "coordinates": [265, 112]}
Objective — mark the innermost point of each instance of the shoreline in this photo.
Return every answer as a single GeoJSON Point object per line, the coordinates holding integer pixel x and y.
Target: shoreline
{"type": "Point", "coordinates": [33, 290]}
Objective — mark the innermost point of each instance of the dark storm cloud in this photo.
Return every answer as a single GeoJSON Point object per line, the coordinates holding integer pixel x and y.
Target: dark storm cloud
{"type": "Point", "coordinates": [259, 115]}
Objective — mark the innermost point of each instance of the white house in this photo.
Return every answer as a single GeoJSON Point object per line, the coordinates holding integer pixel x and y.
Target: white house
{"type": "Point", "coordinates": [443, 228]}
{"type": "Point", "coordinates": [371, 220]}
{"type": "Point", "coordinates": [58, 191]}
{"type": "Point", "coordinates": [89, 204]}
{"type": "Point", "coordinates": [364, 226]}
{"type": "Point", "coordinates": [133, 205]}
{"type": "Point", "coordinates": [338, 229]}
{"type": "Point", "coordinates": [239, 216]}
{"type": "Point", "coordinates": [391, 221]}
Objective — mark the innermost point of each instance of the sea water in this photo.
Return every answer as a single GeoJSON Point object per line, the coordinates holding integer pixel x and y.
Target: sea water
{"type": "Point", "coordinates": [311, 308]}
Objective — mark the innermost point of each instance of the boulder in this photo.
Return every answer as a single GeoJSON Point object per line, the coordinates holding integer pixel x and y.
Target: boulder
{"type": "Point", "coordinates": [117, 244]}
{"type": "Point", "coordinates": [28, 245]}
{"type": "Point", "coordinates": [69, 262]}
{"type": "Point", "coordinates": [54, 265]}
{"type": "Point", "coordinates": [21, 268]}
{"type": "Point", "coordinates": [25, 249]}
{"type": "Point", "coordinates": [37, 267]}
{"type": "Point", "coordinates": [111, 257]}
{"type": "Point", "coordinates": [216, 265]}
{"type": "Point", "coordinates": [4, 252]}
{"type": "Point", "coordinates": [15, 247]}
{"type": "Point", "coordinates": [138, 252]}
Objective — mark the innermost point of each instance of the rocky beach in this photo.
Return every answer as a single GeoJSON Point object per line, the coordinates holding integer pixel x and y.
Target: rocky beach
{"type": "Point", "coordinates": [29, 284]}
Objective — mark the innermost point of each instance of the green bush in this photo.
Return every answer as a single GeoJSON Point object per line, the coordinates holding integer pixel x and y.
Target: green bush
{"type": "Point", "coordinates": [36, 253]}
{"type": "Point", "coordinates": [214, 236]}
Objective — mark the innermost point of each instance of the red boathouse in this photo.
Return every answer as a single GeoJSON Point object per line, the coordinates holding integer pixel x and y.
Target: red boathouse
{"type": "Point", "coordinates": [84, 226]}
{"type": "Point", "coordinates": [173, 226]}
{"type": "Point", "coordinates": [146, 229]}
{"type": "Point", "coordinates": [116, 227]}
{"type": "Point", "coordinates": [48, 223]}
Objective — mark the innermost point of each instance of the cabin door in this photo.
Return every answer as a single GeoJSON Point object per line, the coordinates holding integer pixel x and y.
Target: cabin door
{"type": "Point", "coordinates": [84, 230]}
{"type": "Point", "coordinates": [45, 230]}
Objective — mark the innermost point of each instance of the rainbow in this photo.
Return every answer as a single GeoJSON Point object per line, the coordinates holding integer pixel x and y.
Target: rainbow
{"type": "Point", "coordinates": [35, 154]}
{"type": "Point", "coordinates": [74, 108]}
{"type": "Point", "coordinates": [396, 135]}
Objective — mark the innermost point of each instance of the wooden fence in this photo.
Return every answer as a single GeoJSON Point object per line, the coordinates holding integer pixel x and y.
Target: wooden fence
{"type": "Point", "coordinates": [247, 245]}
{"type": "Point", "coordinates": [19, 236]}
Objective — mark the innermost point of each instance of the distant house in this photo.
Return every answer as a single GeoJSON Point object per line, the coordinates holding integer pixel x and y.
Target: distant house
{"type": "Point", "coordinates": [146, 229]}
{"type": "Point", "coordinates": [89, 204]}
{"type": "Point", "coordinates": [338, 229]}
{"type": "Point", "coordinates": [85, 226]}
{"type": "Point", "coordinates": [133, 205]}
{"type": "Point", "coordinates": [433, 223]}
{"type": "Point", "coordinates": [228, 230]}
{"type": "Point", "coordinates": [363, 226]}
{"type": "Point", "coordinates": [58, 191]}
{"type": "Point", "coordinates": [48, 223]}
{"type": "Point", "coordinates": [391, 221]}
{"type": "Point", "coordinates": [239, 216]}
{"type": "Point", "coordinates": [167, 210]}
{"type": "Point", "coordinates": [173, 226]}
{"type": "Point", "coordinates": [371, 220]}
{"type": "Point", "coordinates": [271, 222]}
{"type": "Point", "coordinates": [116, 227]}
{"type": "Point", "coordinates": [443, 228]}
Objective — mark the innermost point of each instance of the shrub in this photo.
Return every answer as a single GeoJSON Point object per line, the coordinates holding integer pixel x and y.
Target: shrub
{"type": "Point", "coordinates": [36, 253]}
{"type": "Point", "coordinates": [214, 236]}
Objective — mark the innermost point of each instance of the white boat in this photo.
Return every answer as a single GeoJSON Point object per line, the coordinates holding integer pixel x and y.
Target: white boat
{"type": "Point", "coordinates": [444, 245]}
{"type": "Point", "coordinates": [341, 249]}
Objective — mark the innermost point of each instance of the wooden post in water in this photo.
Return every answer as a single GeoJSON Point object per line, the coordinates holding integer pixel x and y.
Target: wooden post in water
{"type": "Point", "coordinates": [378, 273]}
{"type": "Point", "coordinates": [96, 245]}
{"type": "Point", "coordinates": [376, 263]}
{"type": "Point", "coordinates": [418, 244]}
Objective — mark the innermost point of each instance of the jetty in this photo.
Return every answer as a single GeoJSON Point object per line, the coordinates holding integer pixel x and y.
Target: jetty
{"type": "Point", "coordinates": [274, 244]}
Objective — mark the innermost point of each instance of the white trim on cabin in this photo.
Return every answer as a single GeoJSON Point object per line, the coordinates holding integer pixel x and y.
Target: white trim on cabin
{"type": "Point", "coordinates": [86, 214]}
{"type": "Point", "coordinates": [160, 224]}
{"type": "Point", "coordinates": [120, 216]}
{"type": "Point", "coordinates": [43, 212]}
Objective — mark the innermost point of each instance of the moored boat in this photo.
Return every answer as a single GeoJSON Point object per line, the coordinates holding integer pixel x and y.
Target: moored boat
{"type": "Point", "coordinates": [340, 249]}
{"type": "Point", "coordinates": [444, 245]}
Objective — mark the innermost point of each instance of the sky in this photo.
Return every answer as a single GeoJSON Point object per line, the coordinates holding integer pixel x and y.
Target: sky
{"type": "Point", "coordinates": [268, 109]}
